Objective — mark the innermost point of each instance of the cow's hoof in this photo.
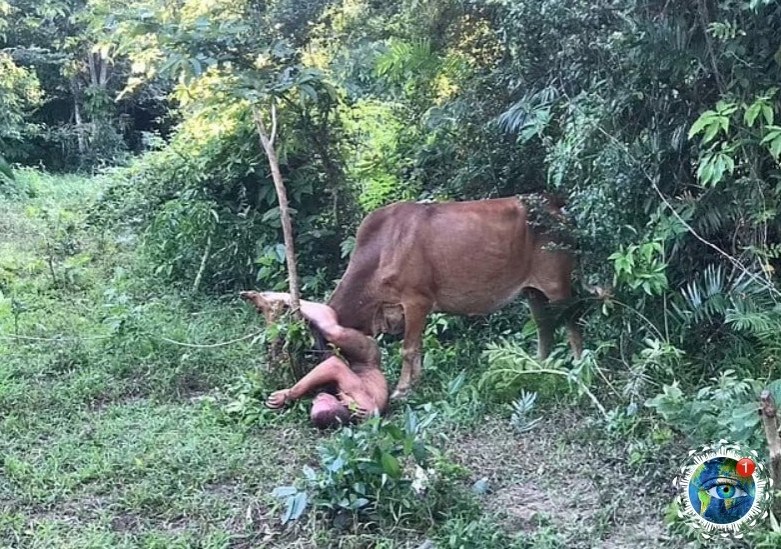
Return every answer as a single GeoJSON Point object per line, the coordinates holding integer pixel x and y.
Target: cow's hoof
{"type": "Point", "coordinates": [400, 394]}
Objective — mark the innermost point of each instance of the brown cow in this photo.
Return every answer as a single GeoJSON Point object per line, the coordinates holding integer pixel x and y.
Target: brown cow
{"type": "Point", "coordinates": [468, 258]}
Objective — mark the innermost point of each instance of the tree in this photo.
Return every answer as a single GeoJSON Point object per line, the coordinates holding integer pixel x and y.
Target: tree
{"type": "Point", "coordinates": [246, 64]}
{"type": "Point", "coordinates": [20, 95]}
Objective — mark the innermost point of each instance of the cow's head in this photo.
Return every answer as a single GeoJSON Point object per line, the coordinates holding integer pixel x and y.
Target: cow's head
{"type": "Point", "coordinates": [388, 319]}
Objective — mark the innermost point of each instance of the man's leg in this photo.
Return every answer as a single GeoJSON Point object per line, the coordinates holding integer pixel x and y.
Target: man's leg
{"type": "Point", "coordinates": [352, 342]}
{"type": "Point", "coordinates": [270, 303]}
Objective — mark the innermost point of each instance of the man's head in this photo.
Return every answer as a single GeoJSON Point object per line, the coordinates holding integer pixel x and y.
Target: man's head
{"type": "Point", "coordinates": [327, 411]}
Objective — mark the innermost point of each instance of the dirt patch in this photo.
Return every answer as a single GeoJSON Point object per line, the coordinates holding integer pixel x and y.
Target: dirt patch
{"type": "Point", "coordinates": [562, 474]}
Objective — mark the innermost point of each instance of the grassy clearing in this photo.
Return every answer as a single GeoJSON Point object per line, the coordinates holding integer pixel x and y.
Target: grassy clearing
{"type": "Point", "coordinates": [112, 436]}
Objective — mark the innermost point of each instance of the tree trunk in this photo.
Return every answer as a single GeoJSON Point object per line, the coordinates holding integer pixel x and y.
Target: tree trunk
{"type": "Point", "coordinates": [202, 267]}
{"type": "Point", "coordinates": [103, 77]}
{"type": "Point", "coordinates": [768, 412]}
{"type": "Point", "coordinates": [77, 117]}
{"type": "Point", "coordinates": [93, 70]}
{"type": "Point", "coordinates": [267, 141]}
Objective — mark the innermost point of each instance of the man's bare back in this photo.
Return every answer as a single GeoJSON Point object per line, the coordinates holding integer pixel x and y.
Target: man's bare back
{"type": "Point", "coordinates": [360, 387]}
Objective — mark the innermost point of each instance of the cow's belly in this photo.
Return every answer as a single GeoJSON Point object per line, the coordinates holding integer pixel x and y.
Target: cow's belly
{"type": "Point", "coordinates": [476, 301]}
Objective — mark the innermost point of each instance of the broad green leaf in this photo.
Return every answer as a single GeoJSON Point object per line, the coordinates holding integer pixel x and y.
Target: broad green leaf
{"type": "Point", "coordinates": [772, 133]}
{"type": "Point", "coordinates": [273, 213]}
{"type": "Point", "coordinates": [767, 113]}
{"type": "Point", "coordinates": [308, 91]}
{"type": "Point", "coordinates": [279, 249]}
{"type": "Point", "coordinates": [700, 123]}
{"type": "Point", "coordinates": [284, 491]}
{"type": "Point", "coordinates": [751, 113]}
{"type": "Point", "coordinates": [359, 503]}
{"type": "Point", "coordinates": [724, 123]}
{"type": "Point", "coordinates": [710, 132]}
{"type": "Point", "coordinates": [390, 465]}
{"type": "Point", "coordinates": [296, 505]}
{"type": "Point", "coordinates": [336, 464]}
{"type": "Point", "coordinates": [395, 432]}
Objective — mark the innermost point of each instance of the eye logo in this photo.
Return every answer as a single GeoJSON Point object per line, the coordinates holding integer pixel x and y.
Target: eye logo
{"type": "Point", "coordinates": [722, 490]}
{"type": "Point", "coordinates": [718, 494]}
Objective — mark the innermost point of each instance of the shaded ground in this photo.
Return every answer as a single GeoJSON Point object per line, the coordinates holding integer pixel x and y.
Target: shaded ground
{"type": "Point", "coordinates": [140, 472]}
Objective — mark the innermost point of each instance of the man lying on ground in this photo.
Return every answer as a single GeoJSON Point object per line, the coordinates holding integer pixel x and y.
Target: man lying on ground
{"type": "Point", "coordinates": [349, 388]}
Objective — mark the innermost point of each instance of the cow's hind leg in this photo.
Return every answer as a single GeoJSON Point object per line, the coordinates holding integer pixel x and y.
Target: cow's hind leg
{"type": "Point", "coordinates": [538, 304]}
{"type": "Point", "coordinates": [414, 322]}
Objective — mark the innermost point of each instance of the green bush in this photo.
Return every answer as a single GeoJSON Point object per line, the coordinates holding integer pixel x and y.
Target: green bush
{"type": "Point", "coordinates": [377, 471]}
{"type": "Point", "coordinates": [727, 408]}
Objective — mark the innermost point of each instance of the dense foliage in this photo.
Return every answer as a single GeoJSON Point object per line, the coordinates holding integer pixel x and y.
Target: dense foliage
{"type": "Point", "coordinates": [654, 119]}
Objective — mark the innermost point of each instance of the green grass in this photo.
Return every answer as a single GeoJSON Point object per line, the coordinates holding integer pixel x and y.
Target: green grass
{"type": "Point", "coordinates": [140, 467]}
{"type": "Point", "coordinates": [113, 436]}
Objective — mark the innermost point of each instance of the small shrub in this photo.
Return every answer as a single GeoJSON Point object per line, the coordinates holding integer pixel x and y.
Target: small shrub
{"type": "Point", "coordinates": [246, 401]}
{"type": "Point", "coordinates": [376, 471]}
{"type": "Point", "coordinates": [726, 408]}
{"type": "Point", "coordinates": [522, 408]}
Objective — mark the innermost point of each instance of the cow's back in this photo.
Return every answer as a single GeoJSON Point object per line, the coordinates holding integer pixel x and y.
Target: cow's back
{"type": "Point", "coordinates": [476, 254]}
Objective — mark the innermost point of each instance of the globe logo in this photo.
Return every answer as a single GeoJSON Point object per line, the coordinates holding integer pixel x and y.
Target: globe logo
{"type": "Point", "coordinates": [718, 493]}
{"type": "Point", "coordinates": [723, 490]}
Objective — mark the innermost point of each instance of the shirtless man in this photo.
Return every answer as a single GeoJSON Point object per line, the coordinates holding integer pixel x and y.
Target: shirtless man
{"type": "Point", "coordinates": [349, 388]}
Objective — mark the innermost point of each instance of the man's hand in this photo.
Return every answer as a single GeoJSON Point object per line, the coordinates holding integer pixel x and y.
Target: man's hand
{"type": "Point", "coordinates": [277, 399]}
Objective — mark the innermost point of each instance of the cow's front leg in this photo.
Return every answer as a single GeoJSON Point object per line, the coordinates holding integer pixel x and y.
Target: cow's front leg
{"type": "Point", "coordinates": [414, 323]}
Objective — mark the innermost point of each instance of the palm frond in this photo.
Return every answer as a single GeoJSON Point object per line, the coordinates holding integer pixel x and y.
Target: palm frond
{"type": "Point", "coordinates": [706, 295]}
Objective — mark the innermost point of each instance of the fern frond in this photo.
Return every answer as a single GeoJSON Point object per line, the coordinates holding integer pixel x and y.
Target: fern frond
{"type": "Point", "coordinates": [529, 115]}
{"type": "Point", "coordinates": [403, 58]}
{"type": "Point", "coordinates": [745, 318]}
